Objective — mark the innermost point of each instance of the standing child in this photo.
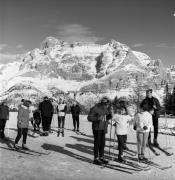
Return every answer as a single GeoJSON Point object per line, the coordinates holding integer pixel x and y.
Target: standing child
{"type": "Point", "coordinates": [143, 124]}
{"type": "Point", "coordinates": [23, 123]}
{"type": "Point", "coordinates": [61, 110]}
{"type": "Point", "coordinates": [121, 120]}
{"type": "Point", "coordinates": [36, 120]}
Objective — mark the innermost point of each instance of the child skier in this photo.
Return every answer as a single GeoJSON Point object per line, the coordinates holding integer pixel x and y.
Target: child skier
{"type": "Point", "coordinates": [36, 120]}
{"type": "Point", "coordinates": [23, 123]}
{"type": "Point", "coordinates": [143, 124]}
{"type": "Point", "coordinates": [61, 110]}
{"type": "Point", "coordinates": [121, 120]}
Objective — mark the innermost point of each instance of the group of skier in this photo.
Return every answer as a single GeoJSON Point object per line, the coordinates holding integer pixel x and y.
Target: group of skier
{"type": "Point", "coordinates": [105, 112]}
{"type": "Point", "coordinates": [116, 113]}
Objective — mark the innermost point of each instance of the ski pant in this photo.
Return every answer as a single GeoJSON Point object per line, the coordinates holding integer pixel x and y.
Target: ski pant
{"type": "Point", "coordinates": [61, 122]}
{"type": "Point", "coordinates": [99, 143]}
{"type": "Point", "coordinates": [142, 138]}
{"type": "Point", "coordinates": [156, 129]}
{"type": "Point", "coordinates": [121, 144]}
{"type": "Point", "coordinates": [75, 121]}
{"type": "Point", "coordinates": [125, 139]}
{"type": "Point", "coordinates": [21, 131]}
{"type": "Point", "coordinates": [46, 123]}
{"type": "Point", "coordinates": [2, 127]}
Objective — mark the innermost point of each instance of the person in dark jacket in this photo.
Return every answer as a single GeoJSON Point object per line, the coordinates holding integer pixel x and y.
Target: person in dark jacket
{"type": "Point", "coordinates": [100, 115]}
{"type": "Point", "coordinates": [36, 120]}
{"type": "Point", "coordinates": [75, 110]}
{"type": "Point", "coordinates": [152, 103]}
{"type": "Point", "coordinates": [46, 110]}
{"type": "Point", "coordinates": [61, 110]}
{"type": "Point", "coordinates": [4, 116]}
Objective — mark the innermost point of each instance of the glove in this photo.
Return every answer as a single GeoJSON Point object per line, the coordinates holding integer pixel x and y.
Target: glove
{"type": "Point", "coordinates": [145, 127]}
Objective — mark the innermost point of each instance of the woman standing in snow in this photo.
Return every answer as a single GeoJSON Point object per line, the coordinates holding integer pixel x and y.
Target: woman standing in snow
{"type": "Point", "coordinates": [23, 123]}
{"type": "Point", "coordinates": [143, 124]}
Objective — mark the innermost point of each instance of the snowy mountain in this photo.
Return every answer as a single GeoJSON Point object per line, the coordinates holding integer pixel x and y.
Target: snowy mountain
{"type": "Point", "coordinates": [64, 67]}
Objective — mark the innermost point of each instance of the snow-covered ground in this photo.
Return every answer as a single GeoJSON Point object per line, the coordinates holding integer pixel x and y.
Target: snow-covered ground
{"type": "Point", "coordinates": [71, 156]}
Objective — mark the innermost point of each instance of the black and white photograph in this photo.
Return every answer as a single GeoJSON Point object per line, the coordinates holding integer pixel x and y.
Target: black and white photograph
{"type": "Point", "coordinates": [87, 89]}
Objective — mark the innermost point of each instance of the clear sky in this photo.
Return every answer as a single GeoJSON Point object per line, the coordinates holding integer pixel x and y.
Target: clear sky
{"type": "Point", "coordinates": [144, 25]}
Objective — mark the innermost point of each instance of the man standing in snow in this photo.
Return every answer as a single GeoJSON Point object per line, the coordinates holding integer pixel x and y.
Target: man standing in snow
{"type": "Point", "coordinates": [100, 115]}
{"type": "Point", "coordinates": [46, 109]}
{"type": "Point", "coordinates": [152, 103]}
{"type": "Point", "coordinates": [75, 110]}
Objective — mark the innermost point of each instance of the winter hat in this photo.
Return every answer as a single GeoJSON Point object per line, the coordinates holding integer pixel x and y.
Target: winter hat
{"type": "Point", "coordinates": [105, 99]}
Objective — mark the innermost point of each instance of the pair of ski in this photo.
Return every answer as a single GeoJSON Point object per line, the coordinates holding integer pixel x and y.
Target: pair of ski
{"type": "Point", "coordinates": [150, 163]}
{"type": "Point", "coordinates": [80, 133]}
{"type": "Point", "coordinates": [161, 149]}
{"type": "Point", "coordinates": [25, 151]}
{"type": "Point", "coordinates": [130, 152]}
{"type": "Point", "coordinates": [129, 167]}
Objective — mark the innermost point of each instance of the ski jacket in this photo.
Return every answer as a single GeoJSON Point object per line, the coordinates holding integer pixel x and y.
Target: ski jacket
{"type": "Point", "coordinates": [46, 108]}
{"type": "Point", "coordinates": [143, 119]}
{"type": "Point", "coordinates": [75, 110]}
{"type": "Point", "coordinates": [23, 117]}
{"type": "Point", "coordinates": [152, 103]}
{"type": "Point", "coordinates": [99, 116]}
{"type": "Point", "coordinates": [121, 123]}
{"type": "Point", "coordinates": [62, 109]}
{"type": "Point", "coordinates": [4, 112]}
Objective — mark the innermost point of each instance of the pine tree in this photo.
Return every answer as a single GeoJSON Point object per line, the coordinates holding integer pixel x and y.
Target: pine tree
{"type": "Point", "coordinates": [173, 101]}
{"type": "Point", "coordinates": [167, 100]}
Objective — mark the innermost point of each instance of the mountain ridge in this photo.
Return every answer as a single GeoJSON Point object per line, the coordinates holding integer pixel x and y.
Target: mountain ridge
{"type": "Point", "coordinates": [82, 66]}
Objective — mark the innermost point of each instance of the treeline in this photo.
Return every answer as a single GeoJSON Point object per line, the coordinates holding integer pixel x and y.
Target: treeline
{"type": "Point", "coordinates": [169, 100]}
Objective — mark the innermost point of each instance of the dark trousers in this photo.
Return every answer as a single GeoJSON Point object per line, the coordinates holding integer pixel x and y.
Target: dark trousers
{"type": "Point", "coordinates": [156, 129]}
{"type": "Point", "coordinates": [2, 127]}
{"type": "Point", "coordinates": [99, 143]}
{"type": "Point", "coordinates": [121, 144]}
{"type": "Point", "coordinates": [125, 139]}
{"type": "Point", "coordinates": [61, 121]}
{"type": "Point", "coordinates": [75, 121]}
{"type": "Point", "coordinates": [46, 123]}
{"type": "Point", "coordinates": [21, 131]}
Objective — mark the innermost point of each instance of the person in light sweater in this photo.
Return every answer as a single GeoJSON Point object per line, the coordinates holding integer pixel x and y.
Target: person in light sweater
{"type": "Point", "coordinates": [143, 124]}
{"type": "Point", "coordinates": [121, 121]}
{"type": "Point", "coordinates": [61, 110]}
{"type": "Point", "coordinates": [23, 119]}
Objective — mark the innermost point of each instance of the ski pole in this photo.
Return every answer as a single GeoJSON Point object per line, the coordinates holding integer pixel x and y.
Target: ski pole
{"type": "Point", "coordinates": [110, 138]}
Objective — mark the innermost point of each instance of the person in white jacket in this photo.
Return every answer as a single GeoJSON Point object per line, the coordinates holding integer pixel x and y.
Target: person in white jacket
{"type": "Point", "coordinates": [122, 121]}
{"type": "Point", "coordinates": [142, 125]}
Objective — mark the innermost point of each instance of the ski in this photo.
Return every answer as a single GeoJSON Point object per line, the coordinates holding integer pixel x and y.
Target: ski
{"type": "Point", "coordinates": [130, 152]}
{"type": "Point", "coordinates": [116, 167]}
{"type": "Point", "coordinates": [36, 152]}
{"type": "Point", "coordinates": [80, 133]}
{"type": "Point", "coordinates": [135, 165]}
{"type": "Point", "coordinates": [153, 150]}
{"type": "Point", "coordinates": [150, 163]}
{"type": "Point", "coordinates": [153, 164]}
{"type": "Point", "coordinates": [19, 150]}
{"type": "Point", "coordinates": [164, 151]}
